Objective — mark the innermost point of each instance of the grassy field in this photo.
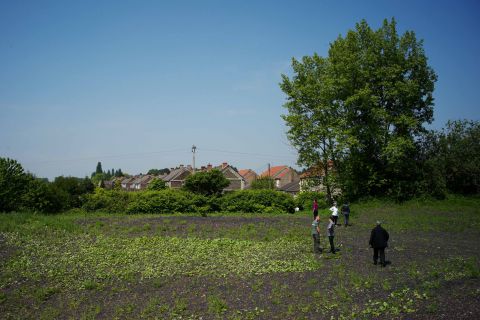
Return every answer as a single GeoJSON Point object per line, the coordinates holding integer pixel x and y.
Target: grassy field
{"type": "Point", "coordinates": [240, 266]}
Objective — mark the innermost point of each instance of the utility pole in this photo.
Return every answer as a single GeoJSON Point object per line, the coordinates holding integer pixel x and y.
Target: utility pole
{"type": "Point", "coordinates": [193, 154]}
{"type": "Point", "coordinates": [269, 170]}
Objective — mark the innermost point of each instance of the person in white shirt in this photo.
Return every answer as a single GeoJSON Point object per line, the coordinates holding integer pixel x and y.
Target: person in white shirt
{"type": "Point", "coordinates": [334, 211]}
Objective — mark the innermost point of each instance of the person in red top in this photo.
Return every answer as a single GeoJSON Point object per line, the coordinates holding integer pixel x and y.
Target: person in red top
{"type": "Point", "coordinates": [315, 208]}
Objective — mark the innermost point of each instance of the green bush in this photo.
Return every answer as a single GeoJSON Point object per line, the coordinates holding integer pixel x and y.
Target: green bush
{"type": "Point", "coordinates": [304, 200]}
{"type": "Point", "coordinates": [42, 196]}
{"type": "Point", "coordinates": [107, 200]}
{"type": "Point", "coordinates": [258, 201]}
{"type": "Point", "coordinates": [165, 201]}
{"type": "Point", "coordinates": [173, 201]}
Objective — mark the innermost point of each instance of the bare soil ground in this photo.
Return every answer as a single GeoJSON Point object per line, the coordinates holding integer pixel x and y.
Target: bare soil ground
{"type": "Point", "coordinates": [432, 275]}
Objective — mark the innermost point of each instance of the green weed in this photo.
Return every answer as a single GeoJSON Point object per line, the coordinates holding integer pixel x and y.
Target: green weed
{"type": "Point", "coordinates": [216, 305]}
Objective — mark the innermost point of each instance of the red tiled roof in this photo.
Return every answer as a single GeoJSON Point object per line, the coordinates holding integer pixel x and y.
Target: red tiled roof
{"type": "Point", "coordinates": [316, 171]}
{"type": "Point", "coordinates": [243, 172]}
{"type": "Point", "coordinates": [274, 171]}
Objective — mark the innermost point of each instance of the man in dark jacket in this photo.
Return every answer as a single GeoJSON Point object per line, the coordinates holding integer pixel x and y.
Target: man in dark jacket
{"type": "Point", "coordinates": [379, 241]}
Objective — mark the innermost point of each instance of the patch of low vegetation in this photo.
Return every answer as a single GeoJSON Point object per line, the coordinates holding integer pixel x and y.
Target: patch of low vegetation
{"type": "Point", "coordinates": [239, 266]}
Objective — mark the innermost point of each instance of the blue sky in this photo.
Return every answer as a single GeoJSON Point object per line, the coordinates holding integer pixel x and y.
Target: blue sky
{"type": "Point", "coordinates": [134, 84]}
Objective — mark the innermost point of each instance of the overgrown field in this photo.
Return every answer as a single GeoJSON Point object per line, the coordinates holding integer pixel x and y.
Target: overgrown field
{"type": "Point", "coordinates": [240, 266]}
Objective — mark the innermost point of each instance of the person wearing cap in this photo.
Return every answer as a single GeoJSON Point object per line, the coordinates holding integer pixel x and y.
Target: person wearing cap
{"type": "Point", "coordinates": [316, 235]}
{"type": "Point", "coordinates": [331, 233]}
{"type": "Point", "coordinates": [346, 212]}
{"type": "Point", "coordinates": [379, 241]}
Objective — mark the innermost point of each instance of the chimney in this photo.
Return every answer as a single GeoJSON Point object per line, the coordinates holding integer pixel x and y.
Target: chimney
{"type": "Point", "coordinates": [224, 165]}
{"type": "Point", "coordinates": [181, 166]}
{"type": "Point", "coordinates": [203, 168]}
{"type": "Point", "coordinates": [209, 167]}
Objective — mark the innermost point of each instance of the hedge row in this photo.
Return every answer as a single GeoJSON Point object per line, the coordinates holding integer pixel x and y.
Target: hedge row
{"type": "Point", "coordinates": [173, 201]}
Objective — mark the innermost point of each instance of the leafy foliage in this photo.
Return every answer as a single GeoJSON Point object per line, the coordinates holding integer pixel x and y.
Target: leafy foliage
{"type": "Point", "coordinates": [45, 197]}
{"type": "Point", "coordinates": [459, 146]}
{"type": "Point", "coordinates": [258, 201]}
{"type": "Point", "coordinates": [157, 172]}
{"type": "Point", "coordinates": [167, 201]}
{"type": "Point", "coordinates": [107, 200]}
{"type": "Point", "coordinates": [304, 200]}
{"type": "Point", "coordinates": [13, 183]}
{"type": "Point", "coordinates": [207, 183]}
{"type": "Point", "coordinates": [263, 183]}
{"type": "Point", "coordinates": [363, 107]}
{"type": "Point", "coordinates": [157, 184]}
{"type": "Point", "coordinates": [75, 189]}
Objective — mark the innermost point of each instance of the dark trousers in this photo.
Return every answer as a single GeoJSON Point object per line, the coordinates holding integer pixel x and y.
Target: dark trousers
{"type": "Point", "coordinates": [316, 243]}
{"type": "Point", "coordinates": [376, 252]}
{"type": "Point", "coordinates": [335, 218]}
{"type": "Point", "coordinates": [332, 247]}
{"type": "Point", "coordinates": [315, 214]}
{"type": "Point", "coordinates": [346, 216]}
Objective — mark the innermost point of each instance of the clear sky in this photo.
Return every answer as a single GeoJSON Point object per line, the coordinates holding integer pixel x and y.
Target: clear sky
{"type": "Point", "coordinates": [134, 84]}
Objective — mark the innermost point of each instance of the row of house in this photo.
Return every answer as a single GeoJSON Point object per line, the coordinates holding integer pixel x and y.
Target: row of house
{"type": "Point", "coordinates": [285, 178]}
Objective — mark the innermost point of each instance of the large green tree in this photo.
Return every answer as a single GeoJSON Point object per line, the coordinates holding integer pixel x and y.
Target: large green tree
{"type": "Point", "coordinates": [363, 107]}
{"type": "Point", "coordinates": [312, 118]}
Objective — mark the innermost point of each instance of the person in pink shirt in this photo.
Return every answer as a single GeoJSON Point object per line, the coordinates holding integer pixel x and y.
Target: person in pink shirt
{"type": "Point", "coordinates": [315, 208]}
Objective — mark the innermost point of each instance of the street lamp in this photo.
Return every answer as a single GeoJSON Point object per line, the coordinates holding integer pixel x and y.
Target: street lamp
{"type": "Point", "coordinates": [194, 148]}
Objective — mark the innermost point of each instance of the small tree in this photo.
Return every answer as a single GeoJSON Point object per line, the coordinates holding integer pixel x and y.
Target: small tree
{"type": "Point", "coordinates": [459, 151]}
{"type": "Point", "coordinates": [99, 168]}
{"type": "Point", "coordinates": [157, 184]}
{"type": "Point", "coordinates": [45, 197]}
{"type": "Point", "coordinates": [13, 184]}
{"type": "Point", "coordinates": [207, 183]}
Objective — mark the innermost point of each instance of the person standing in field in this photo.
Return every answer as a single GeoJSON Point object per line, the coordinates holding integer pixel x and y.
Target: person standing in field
{"type": "Point", "coordinates": [331, 233]}
{"type": "Point", "coordinates": [315, 208]}
{"type": "Point", "coordinates": [379, 241]}
{"type": "Point", "coordinates": [346, 212]}
{"type": "Point", "coordinates": [316, 235]}
{"type": "Point", "coordinates": [334, 211]}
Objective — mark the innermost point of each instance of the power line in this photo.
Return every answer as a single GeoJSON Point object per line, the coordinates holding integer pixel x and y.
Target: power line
{"type": "Point", "coordinates": [249, 153]}
{"type": "Point", "coordinates": [118, 156]}
{"type": "Point", "coordinates": [153, 153]}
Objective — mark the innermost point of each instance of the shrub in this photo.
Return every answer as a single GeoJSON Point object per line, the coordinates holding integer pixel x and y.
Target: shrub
{"type": "Point", "coordinates": [107, 200]}
{"type": "Point", "coordinates": [168, 201]}
{"type": "Point", "coordinates": [258, 201]}
{"type": "Point", "coordinates": [157, 184]}
{"type": "Point", "coordinates": [304, 200]}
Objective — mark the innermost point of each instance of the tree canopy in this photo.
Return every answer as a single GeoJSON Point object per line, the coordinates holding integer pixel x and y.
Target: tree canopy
{"type": "Point", "coordinates": [206, 182]}
{"type": "Point", "coordinates": [363, 107]}
{"type": "Point", "coordinates": [13, 184]}
{"type": "Point", "coordinates": [157, 184]}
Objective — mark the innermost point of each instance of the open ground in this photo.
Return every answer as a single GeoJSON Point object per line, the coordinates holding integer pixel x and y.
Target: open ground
{"type": "Point", "coordinates": [242, 266]}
